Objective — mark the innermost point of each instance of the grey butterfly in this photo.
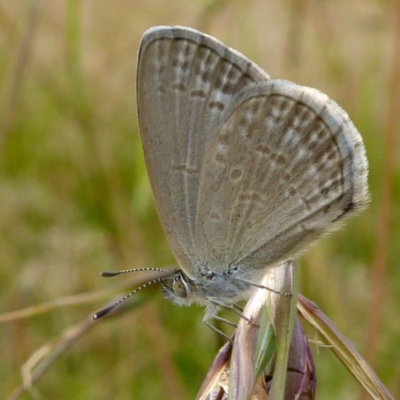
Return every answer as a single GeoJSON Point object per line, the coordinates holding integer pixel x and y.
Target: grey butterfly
{"type": "Point", "coordinates": [246, 170]}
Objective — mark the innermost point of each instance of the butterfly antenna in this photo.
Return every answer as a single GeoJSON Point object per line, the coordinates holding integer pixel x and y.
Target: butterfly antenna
{"type": "Point", "coordinates": [107, 274]}
{"type": "Point", "coordinates": [106, 310]}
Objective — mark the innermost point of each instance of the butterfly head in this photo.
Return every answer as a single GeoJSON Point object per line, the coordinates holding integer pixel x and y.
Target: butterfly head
{"type": "Point", "coordinates": [179, 288]}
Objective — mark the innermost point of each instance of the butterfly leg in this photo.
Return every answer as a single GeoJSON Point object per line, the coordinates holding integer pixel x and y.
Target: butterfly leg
{"type": "Point", "coordinates": [216, 330]}
{"type": "Point", "coordinates": [232, 307]}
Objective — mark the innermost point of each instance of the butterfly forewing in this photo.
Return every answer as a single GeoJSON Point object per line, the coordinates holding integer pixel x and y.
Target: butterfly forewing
{"type": "Point", "coordinates": [185, 82]}
{"type": "Point", "coordinates": [283, 168]}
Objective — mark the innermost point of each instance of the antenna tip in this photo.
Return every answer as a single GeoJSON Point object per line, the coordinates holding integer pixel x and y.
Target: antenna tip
{"type": "Point", "coordinates": [102, 312]}
{"type": "Point", "coordinates": [106, 274]}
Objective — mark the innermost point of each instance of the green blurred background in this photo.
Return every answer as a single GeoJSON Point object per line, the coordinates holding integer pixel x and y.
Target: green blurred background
{"type": "Point", "coordinates": [75, 198]}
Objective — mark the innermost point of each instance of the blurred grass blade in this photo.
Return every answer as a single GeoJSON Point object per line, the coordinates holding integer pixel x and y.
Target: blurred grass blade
{"type": "Point", "coordinates": [77, 299]}
{"type": "Point", "coordinates": [343, 349]}
{"type": "Point", "coordinates": [46, 355]}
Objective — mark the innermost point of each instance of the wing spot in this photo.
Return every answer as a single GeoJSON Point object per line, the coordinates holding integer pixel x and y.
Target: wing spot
{"type": "Point", "coordinates": [280, 159]}
{"type": "Point", "coordinates": [306, 203]}
{"type": "Point", "coordinates": [325, 192]}
{"type": "Point", "coordinates": [215, 216]}
{"type": "Point", "coordinates": [284, 177]}
{"type": "Point", "coordinates": [198, 93]}
{"type": "Point", "coordinates": [220, 158]}
{"type": "Point", "coordinates": [233, 73]}
{"type": "Point", "coordinates": [180, 87]}
{"type": "Point", "coordinates": [236, 174]}
{"type": "Point", "coordinates": [216, 105]}
{"type": "Point", "coordinates": [243, 122]}
{"type": "Point", "coordinates": [263, 149]}
{"type": "Point", "coordinates": [334, 175]}
{"type": "Point", "coordinates": [249, 197]}
{"type": "Point", "coordinates": [255, 106]}
{"type": "Point", "coordinates": [229, 88]}
{"type": "Point", "coordinates": [206, 76]}
{"type": "Point", "coordinates": [223, 139]}
{"type": "Point", "coordinates": [161, 89]}
{"type": "Point", "coordinates": [333, 155]}
{"type": "Point", "coordinates": [323, 135]}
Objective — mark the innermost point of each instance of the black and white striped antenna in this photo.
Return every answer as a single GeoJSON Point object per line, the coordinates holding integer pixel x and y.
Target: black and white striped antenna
{"type": "Point", "coordinates": [106, 310]}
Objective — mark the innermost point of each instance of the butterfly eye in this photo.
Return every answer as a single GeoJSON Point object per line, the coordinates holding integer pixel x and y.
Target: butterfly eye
{"type": "Point", "coordinates": [179, 286]}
